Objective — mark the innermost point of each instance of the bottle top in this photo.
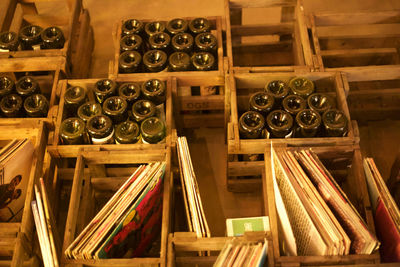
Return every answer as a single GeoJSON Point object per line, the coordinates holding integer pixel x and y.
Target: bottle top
{"type": "Point", "coordinates": [262, 102]}
{"type": "Point", "coordinates": [127, 132]}
{"type": "Point", "coordinates": [154, 90]}
{"type": "Point", "coordinates": [74, 94]}
{"type": "Point", "coordinates": [72, 128]}
{"type": "Point", "coordinates": [131, 42]}
{"type": "Point", "coordinates": [9, 41]}
{"type": "Point", "coordinates": [182, 42]}
{"type": "Point", "coordinates": [6, 85]}
{"type": "Point", "coordinates": [160, 41]}
{"type": "Point", "coordinates": [319, 102]}
{"type": "Point", "coordinates": [203, 61]}
{"type": "Point", "coordinates": [154, 27]}
{"type": "Point", "coordinates": [130, 91]}
{"type": "Point", "coordinates": [129, 61]}
{"type": "Point", "coordinates": [199, 25]}
{"type": "Point", "coordinates": [176, 26]}
{"type": "Point", "coordinates": [104, 88]}
{"type": "Point", "coordinates": [335, 122]}
{"type": "Point", "coordinates": [10, 105]}
{"type": "Point", "coordinates": [294, 104]}
{"type": "Point", "coordinates": [153, 130]}
{"type": "Point", "coordinates": [88, 110]}
{"type": "Point", "coordinates": [143, 109]}
{"type": "Point", "coordinates": [279, 89]}
{"type": "Point", "coordinates": [155, 60]}
{"type": "Point", "coordinates": [36, 105]}
{"type": "Point", "coordinates": [280, 123]}
{"type": "Point", "coordinates": [99, 126]}
{"type": "Point", "coordinates": [308, 119]}
{"type": "Point", "coordinates": [53, 38]}
{"type": "Point", "coordinates": [179, 61]}
{"type": "Point", "coordinates": [251, 124]}
{"type": "Point", "coordinates": [27, 86]}
{"type": "Point", "coordinates": [302, 86]}
{"type": "Point", "coordinates": [132, 26]}
{"type": "Point", "coordinates": [206, 42]}
{"type": "Point", "coordinates": [30, 32]}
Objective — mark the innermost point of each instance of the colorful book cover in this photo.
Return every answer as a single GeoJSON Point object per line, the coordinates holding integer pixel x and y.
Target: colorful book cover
{"type": "Point", "coordinates": [237, 226]}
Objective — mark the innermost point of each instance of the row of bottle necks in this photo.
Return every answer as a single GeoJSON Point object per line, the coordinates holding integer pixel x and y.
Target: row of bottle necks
{"type": "Point", "coordinates": [293, 109]}
{"type": "Point", "coordinates": [179, 45]}
{"type": "Point", "coordinates": [126, 115]}
{"type": "Point", "coordinates": [32, 37]}
{"type": "Point", "coordinates": [22, 98]}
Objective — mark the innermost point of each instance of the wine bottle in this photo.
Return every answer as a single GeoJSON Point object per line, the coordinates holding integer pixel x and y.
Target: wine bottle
{"type": "Point", "coordinates": [100, 129]}
{"type": "Point", "coordinates": [7, 86]}
{"type": "Point", "coordinates": [73, 132]}
{"type": "Point", "coordinates": [129, 62]}
{"type": "Point", "coordinates": [143, 109]}
{"type": "Point", "coordinates": [251, 125]}
{"type": "Point", "coordinates": [206, 42]}
{"type": "Point", "coordinates": [88, 110]}
{"type": "Point", "coordinates": [261, 102]}
{"type": "Point", "coordinates": [52, 38]}
{"type": "Point", "coordinates": [335, 123]}
{"type": "Point", "coordinates": [132, 26]}
{"type": "Point", "coordinates": [115, 107]}
{"type": "Point", "coordinates": [179, 61]}
{"type": "Point", "coordinates": [308, 123]}
{"type": "Point", "coordinates": [103, 89]}
{"type": "Point", "coordinates": [279, 89]}
{"type": "Point", "coordinates": [127, 132]}
{"type": "Point", "coordinates": [160, 41]}
{"type": "Point", "coordinates": [182, 42]}
{"type": "Point", "coordinates": [131, 42]}
{"type": "Point", "coordinates": [154, 90]}
{"type": "Point", "coordinates": [9, 41]}
{"type": "Point", "coordinates": [130, 92]}
{"type": "Point", "coordinates": [280, 124]}
{"type": "Point", "coordinates": [154, 27]}
{"type": "Point", "coordinates": [199, 25]}
{"type": "Point", "coordinates": [27, 86]}
{"type": "Point", "coordinates": [36, 106]}
{"type": "Point", "coordinates": [203, 61]}
{"type": "Point", "coordinates": [301, 86]}
{"type": "Point", "coordinates": [294, 104]}
{"type": "Point", "coordinates": [11, 106]}
{"type": "Point", "coordinates": [176, 26]}
{"type": "Point", "coordinates": [155, 60]}
{"type": "Point", "coordinates": [319, 102]}
{"type": "Point", "coordinates": [153, 130]}
{"type": "Point", "coordinates": [29, 37]}
{"type": "Point", "coordinates": [74, 97]}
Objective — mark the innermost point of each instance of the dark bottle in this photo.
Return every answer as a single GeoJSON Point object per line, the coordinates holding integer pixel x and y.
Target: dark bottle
{"type": "Point", "coordinates": [29, 37]}
{"type": "Point", "coordinates": [127, 132]}
{"type": "Point", "coordinates": [308, 122]}
{"type": "Point", "coordinates": [279, 89]}
{"type": "Point", "coordinates": [11, 106]}
{"type": "Point", "coordinates": [176, 26]}
{"type": "Point", "coordinates": [27, 86]}
{"type": "Point", "coordinates": [103, 89]}
{"type": "Point", "coordinates": [73, 132]}
{"type": "Point", "coordinates": [115, 107]}
{"type": "Point", "coordinates": [261, 102]}
{"type": "Point", "coordinates": [155, 60]}
{"type": "Point", "coordinates": [74, 97]}
{"type": "Point", "coordinates": [294, 104]}
{"type": "Point", "coordinates": [131, 26]}
{"type": "Point", "coordinates": [182, 42]}
{"type": "Point", "coordinates": [142, 110]}
{"type": "Point", "coordinates": [129, 61]}
{"type": "Point", "coordinates": [206, 42]}
{"type": "Point", "coordinates": [319, 102]}
{"type": "Point", "coordinates": [154, 91]}
{"type": "Point", "coordinates": [52, 38]}
{"type": "Point", "coordinates": [154, 27]}
{"type": "Point", "coordinates": [131, 42]}
{"type": "Point", "coordinates": [36, 106]}
{"type": "Point", "coordinates": [301, 86]}
{"type": "Point", "coordinates": [100, 129]}
{"type": "Point", "coordinates": [152, 130]}
{"type": "Point", "coordinates": [6, 86]}
{"type": "Point", "coordinates": [280, 124]}
{"type": "Point", "coordinates": [160, 41]}
{"type": "Point", "coordinates": [88, 110]}
{"type": "Point", "coordinates": [203, 61]}
{"type": "Point", "coordinates": [179, 61]}
{"type": "Point", "coordinates": [251, 125]}
{"type": "Point", "coordinates": [9, 41]}
{"type": "Point", "coordinates": [199, 25]}
{"type": "Point", "coordinates": [335, 123]}
{"type": "Point", "coordinates": [130, 92]}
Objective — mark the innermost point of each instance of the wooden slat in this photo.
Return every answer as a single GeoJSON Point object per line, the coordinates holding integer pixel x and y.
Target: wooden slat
{"type": "Point", "coordinates": [122, 157]}
{"type": "Point", "coordinates": [330, 18]}
{"type": "Point", "coordinates": [260, 3]}
{"type": "Point", "coordinates": [211, 102]}
{"type": "Point", "coordinates": [358, 52]}
{"type": "Point", "coordinates": [245, 168]}
{"type": "Point", "coordinates": [351, 31]}
{"type": "Point", "coordinates": [263, 29]}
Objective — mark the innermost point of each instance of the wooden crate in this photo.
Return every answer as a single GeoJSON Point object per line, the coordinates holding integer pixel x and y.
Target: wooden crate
{"type": "Point", "coordinates": [18, 238]}
{"type": "Point", "coordinates": [187, 76]}
{"type": "Point", "coordinates": [105, 172]}
{"type": "Point", "coordinates": [194, 249]}
{"type": "Point", "coordinates": [47, 72]}
{"type": "Point", "coordinates": [72, 150]}
{"type": "Point", "coordinates": [72, 19]}
{"type": "Point", "coordinates": [344, 163]}
{"type": "Point", "coordinates": [374, 94]}
{"type": "Point", "coordinates": [259, 43]}
{"type": "Point", "coordinates": [244, 175]}
{"type": "Point", "coordinates": [356, 41]}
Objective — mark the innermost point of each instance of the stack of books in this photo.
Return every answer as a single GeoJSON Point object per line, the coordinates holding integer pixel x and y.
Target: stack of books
{"type": "Point", "coordinates": [242, 253]}
{"type": "Point", "coordinates": [315, 214]}
{"type": "Point", "coordinates": [386, 213]}
{"type": "Point", "coordinates": [129, 222]}
{"type": "Point", "coordinates": [194, 208]}
{"type": "Point", "coordinates": [15, 167]}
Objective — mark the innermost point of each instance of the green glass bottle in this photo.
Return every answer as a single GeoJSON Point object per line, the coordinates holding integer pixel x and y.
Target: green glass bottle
{"type": "Point", "coordinates": [74, 97]}
{"type": "Point", "coordinates": [116, 107]}
{"type": "Point", "coordinates": [130, 92]}
{"type": "Point", "coordinates": [319, 102]}
{"type": "Point", "coordinates": [155, 60]}
{"type": "Point", "coordinates": [9, 41]}
{"type": "Point", "coordinates": [179, 61]}
{"type": "Point", "coordinates": [36, 106]}
{"type": "Point", "coordinates": [308, 123]}
{"type": "Point", "coordinates": [129, 62]}
{"type": "Point", "coordinates": [127, 132]}
{"type": "Point", "coordinates": [132, 26]}
{"type": "Point", "coordinates": [29, 37]}
{"type": "Point", "coordinates": [88, 110]}
{"type": "Point", "coordinates": [206, 42]}
{"type": "Point", "coordinates": [142, 110]}
{"type": "Point", "coordinates": [335, 123]}
{"type": "Point", "coordinates": [294, 104]}
{"type": "Point", "coordinates": [6, 86]}
{"type": "Point", "coordinates": [153, 130]}
{"type": "Point", "coordinates": [154, 27]}
{"type": "Point", "coordinates": [279, 89]}
{"type": "Point", "coordinates": [301, 86]}
{"type": "Point", "coordinates": [73, 132]}
{"type": "Point", "coordinates": [100, 129]}
{"type": "Point", "coordinates": [182, 42]}
{"type": "Point", "coordinates": [199, 25]}
{"type": "Point", "coordinates": [176, 26]}
{"type": "Point", "coordinates": [203, 61]}
{"type": "Point", "coordinates": [11, 106]}
{"type": "Point", "coordinates": [251, 125]}
{"type": "Point", "coordinates": [154, 90]}
{"type": "Point", "coordinates": [280, 124]}
{"type": "Point", "coordinates": [261, 102]}
{"type": "Point", "coordinates": [131, 42]}
{"type": "Point", "coordinates": [160, 41]}
{"type": "Point", "coordinates": [27, 86]}
{"type": "Point", "coordinates": [103, 89]}
{"type": "Point", "coordinates": [52, 38]}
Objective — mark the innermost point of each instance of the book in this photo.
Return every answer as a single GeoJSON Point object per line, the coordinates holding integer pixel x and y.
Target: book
{"type": "Point", "coordinates": [15, 167]}
{"type": "Point", "coordinates": [238, 226]}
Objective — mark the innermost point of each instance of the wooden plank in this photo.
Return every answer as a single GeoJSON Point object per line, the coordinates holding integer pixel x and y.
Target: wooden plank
{"type": "Point", "coordinates": [263, 29]}
{"type": "Point", "coordinates": [211, 102]}
{"type": "Point", "coordinates": [245, 168]}
{"type": "Point", "coordinates": [260, 3]}
{"type": "Point", "coordinates": [366, 17]}
{"type": "Point", "coordinates": [358, 52]}
{"type": "Point", "coordinates": [360, 31]}
{"type": "Point", "coordinates": [122, 157]}
{"type": "Point", "coordinates": [203, 120]}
